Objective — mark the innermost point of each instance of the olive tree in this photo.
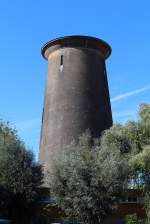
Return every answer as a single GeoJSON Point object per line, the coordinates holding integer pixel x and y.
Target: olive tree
{"type": "Point", "coordinates": [86, 179]}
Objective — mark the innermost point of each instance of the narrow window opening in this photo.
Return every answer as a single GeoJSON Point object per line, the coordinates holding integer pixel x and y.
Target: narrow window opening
{"type": "Point", "coordinates": [43, 116]}
{"type": "Point", "coordinates": [61, 60]}
{"type": "Point", "coordinates": [61, 63]}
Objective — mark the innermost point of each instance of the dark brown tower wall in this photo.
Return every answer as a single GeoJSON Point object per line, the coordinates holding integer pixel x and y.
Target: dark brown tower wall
{"type": "Point", "coordinates": [76, 97]}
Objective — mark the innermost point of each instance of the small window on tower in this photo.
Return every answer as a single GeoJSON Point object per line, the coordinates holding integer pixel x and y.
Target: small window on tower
{"type": "Point", "coordinates": [42, 115]}
{"type": "Point", "coordinates": [61, 63]}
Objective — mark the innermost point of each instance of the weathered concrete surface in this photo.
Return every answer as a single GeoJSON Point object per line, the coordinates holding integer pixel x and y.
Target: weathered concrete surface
{"type": "Point", "coordinates": [76, 98]}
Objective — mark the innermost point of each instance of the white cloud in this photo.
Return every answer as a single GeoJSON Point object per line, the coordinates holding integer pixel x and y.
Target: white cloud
{"type": "Point", "coordinates": [131, 93]}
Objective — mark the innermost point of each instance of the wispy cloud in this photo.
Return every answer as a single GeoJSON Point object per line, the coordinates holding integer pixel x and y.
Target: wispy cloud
{"type": "Point", "coordinates": [32, 123]}
{"type": "Point", "coordinates": [131, 93]}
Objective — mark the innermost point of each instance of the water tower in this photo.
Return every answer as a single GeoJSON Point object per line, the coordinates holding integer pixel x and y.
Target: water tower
{"type": "Point", "coordinates": [76, 92]}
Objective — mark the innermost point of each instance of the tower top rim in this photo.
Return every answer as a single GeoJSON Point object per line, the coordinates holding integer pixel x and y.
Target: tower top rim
{"type": "Point", "coordinates": [77, 41]}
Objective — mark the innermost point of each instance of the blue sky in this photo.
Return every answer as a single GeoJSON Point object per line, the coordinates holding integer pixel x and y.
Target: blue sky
{"type": "Point", "coordinates": [26, 25]}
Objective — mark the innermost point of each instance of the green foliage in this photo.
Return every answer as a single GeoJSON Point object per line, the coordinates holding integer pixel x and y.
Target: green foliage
{"type": "Point", "coordinates": [147, 206]}
{"type": "Point", "coordinates": [20, 175]}
{"type": "Point", "coordinates": [116, 136]}
{"type": "Point", "coordinates": [132, 136]}
{"type": "Point", "coordinates": [86, 179]}
{"type": "Point", "coordinates": [127, 138]}
{"type": "Point", "coordinates": [131, 219]}
{"type": "Point", "coordinates": [139, 162]}
{"type": "Point", "coordinates": [144, 113]}
{"type": "Point", "coordinates": [140, 165]}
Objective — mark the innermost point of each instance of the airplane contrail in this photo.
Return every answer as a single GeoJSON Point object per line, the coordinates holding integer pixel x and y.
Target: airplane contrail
{"type": "Point", "coordinates": [131, 93]}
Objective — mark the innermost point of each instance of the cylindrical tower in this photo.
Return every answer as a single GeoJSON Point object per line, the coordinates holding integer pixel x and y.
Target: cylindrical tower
{"type": "Point", "coordinates": [76, 94]}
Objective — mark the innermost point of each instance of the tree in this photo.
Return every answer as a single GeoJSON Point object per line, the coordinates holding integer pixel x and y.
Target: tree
{"type": "Point", "coordinates": [144, 113]}
{"type": "Point", "coordinates": [139, 162]}
{"type": "Point", "coordinates": [20, 175]}
{"type": "Point", "coordinates": [140, 169]}
{"type": "Point", "coordinates": [86, 179]}
{"type": "Point", "coordinates": [133, 135]}
{"type": "Point", "coordinates": [117, 135]}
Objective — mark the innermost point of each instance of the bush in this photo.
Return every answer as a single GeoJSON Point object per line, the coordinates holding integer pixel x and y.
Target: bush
{"type": "Point", "coordinates": [131, 219]}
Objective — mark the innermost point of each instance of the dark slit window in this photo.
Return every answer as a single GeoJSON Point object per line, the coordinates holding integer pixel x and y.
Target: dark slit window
{"type": "Point", "coordinates": [43, 116]}
{"type": "Point", "coordinates": [61, 63]}
{"type": "Point", "coordinates": [61, 60]}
